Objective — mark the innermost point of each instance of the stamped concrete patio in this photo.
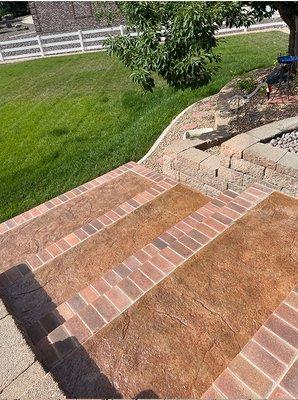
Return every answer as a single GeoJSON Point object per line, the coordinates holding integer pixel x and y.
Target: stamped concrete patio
{"type": "Point", "coordinates": [133, 285]}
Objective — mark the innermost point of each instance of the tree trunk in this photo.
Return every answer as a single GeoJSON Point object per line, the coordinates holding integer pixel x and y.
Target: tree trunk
{"type": "Point", "coordinates": [289, 13]}
{"type": "Point", "coordinates": [296, 37]}
{"type": "Point", "coordinates": [292, 42]}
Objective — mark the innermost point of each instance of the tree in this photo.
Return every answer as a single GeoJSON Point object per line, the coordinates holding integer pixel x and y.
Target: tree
{"type": "Point", "coordinates": [289, 13]}
{"type": "Point", "coordinates": [177, 39]}
{"type": "Point", "coordinates": [16, 8]}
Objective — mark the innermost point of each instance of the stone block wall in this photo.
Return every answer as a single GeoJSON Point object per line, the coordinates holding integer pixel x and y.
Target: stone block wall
{"type": "Point", "coordinates": [242, 161]}
{"type": "Point", "coordinates": [66, 16]}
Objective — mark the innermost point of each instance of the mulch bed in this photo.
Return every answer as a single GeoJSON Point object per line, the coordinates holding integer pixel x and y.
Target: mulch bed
{"type": "Point", "coordinates": [258, 111]}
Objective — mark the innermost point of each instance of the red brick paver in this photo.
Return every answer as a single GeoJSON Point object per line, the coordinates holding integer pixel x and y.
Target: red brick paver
{"type": "Point", "coordinates": [267, 367]}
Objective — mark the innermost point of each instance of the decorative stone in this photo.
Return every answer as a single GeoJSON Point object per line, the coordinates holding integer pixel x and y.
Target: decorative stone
{"type": "Point", "coordinates": [264, 155]}
{"type": "Point", "coordinates": [247, 167]}
{"type": "Point", "coordinates": [237, 145]}
{"type": "Point", "coordinates": [187, 127]}
{"type": "Point", "coordinates": [196, 133]}
{"type": "Point", "coordinates": [230, 175]}
{"type": "Point", "coordinates": [210, 164]}
{"type": "Point", "coordinates": [286, 141]}
{"type": "Point", "coordinates": [288, 164]}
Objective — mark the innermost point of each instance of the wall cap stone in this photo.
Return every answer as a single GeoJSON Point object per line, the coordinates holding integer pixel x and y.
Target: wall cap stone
{"type": "Point", "coordinates": [288, 164]}
{"type": "Point", "coordinates": [264, 154]}
{"type": "Point", "coordinates": [274, 128]}
{"type": "Point", "coordinates": [237, 144]}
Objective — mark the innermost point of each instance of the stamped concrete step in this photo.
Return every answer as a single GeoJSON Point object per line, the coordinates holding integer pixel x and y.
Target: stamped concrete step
{"type": "Point", "coordinates": [95, 306]}
{"type": "Point", "coordinates": [32, 231]}
{"type": "Point", "coordinates": [56, 249]}
{"type": "Point", "coordinates": [35, 295]}
{"type": "Point", "coordinates": [182, 334]}
{"type": "Point", "coordinates": [267, 366]}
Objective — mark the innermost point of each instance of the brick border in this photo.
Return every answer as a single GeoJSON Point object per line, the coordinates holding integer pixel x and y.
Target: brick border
{"type": "Point", "coordinates": [99, 303]}
{"type": "Point", "coordinates": [45, 207]}
{"type": "Point", "coordinates": [268, 364]}
{"type": "Point", "coordinates": [56, 249]}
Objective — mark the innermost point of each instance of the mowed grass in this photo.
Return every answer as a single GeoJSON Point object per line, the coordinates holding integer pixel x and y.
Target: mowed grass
{"type": "Point", "coordinates": [65, 120]}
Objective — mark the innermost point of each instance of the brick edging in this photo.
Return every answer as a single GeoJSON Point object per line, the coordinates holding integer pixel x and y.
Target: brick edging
{"type": "Point", "coordinates": [43, 208]}
{"type": "Point", "coordinates": [56, 249]}
{"type": "Point", "coordinates": [270, 357]}
{"type": "Point", "coordinates": [97, 304]}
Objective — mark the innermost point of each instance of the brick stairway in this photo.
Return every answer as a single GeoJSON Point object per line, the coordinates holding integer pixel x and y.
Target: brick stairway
{"type": "Point", "coordinates": [74, 264]}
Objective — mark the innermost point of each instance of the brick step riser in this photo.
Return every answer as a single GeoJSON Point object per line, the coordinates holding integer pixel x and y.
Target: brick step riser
{"type": "Point", "coordinates": [99, 303]}
{"type": "Point", "coordinates": [37, 261]}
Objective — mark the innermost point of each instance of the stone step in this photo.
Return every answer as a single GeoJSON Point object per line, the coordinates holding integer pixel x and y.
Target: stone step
{"type": "Point", "coordinates": [182, 334]}
{"type": "Point", "coordinates": [56, 249]}
{"type": "Point", "coordinates": [51, 320]}
{"type": "Point", "coordinates": [96, 305]}
{"type": "Point", "coordinates": [271, 353]}
{"type": "Point", "coordinates": [36, 294]}
{"type": "Point", "coordinates": [25, 234]}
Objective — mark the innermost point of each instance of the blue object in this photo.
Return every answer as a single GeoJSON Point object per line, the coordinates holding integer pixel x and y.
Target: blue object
{"type": "Point", "coordinates": [287, 59]}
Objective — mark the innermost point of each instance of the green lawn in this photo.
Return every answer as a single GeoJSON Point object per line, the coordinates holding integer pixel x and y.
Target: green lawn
{"type": "Point", "coordinates": [65, 120]}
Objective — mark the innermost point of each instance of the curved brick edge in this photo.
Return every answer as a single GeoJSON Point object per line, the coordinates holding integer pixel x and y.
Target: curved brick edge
{"type": "Point", "coordinates": [36, 261]}
{"type": "Point", "coordinates": [267, 366]}
{"type": "Point", "coordinates": [96, 305]}
{"type": "Point", "coordinates": [63, 198]}
{"type": "Point", "coordinates": [166, 131]}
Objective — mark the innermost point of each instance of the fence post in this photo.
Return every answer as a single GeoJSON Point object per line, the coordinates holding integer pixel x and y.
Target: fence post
{"type": "Point", "coordinates": [40, 45]}
{"type": "Point", "coordinates": [245, 29]}
{"type": "Point", "coordinates": [121, 30]}
{"type": "Point", "coordinates": [1, 56]}
{"type": "Point", "coordinates": [81, 40]}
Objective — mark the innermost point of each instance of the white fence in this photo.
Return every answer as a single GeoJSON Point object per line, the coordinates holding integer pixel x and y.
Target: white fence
{"type": "Point", "coordinates": [81, 41]}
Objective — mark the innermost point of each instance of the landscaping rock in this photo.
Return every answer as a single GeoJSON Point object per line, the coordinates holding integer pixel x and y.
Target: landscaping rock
{"type": "Point", "coordinates": [288, 141]}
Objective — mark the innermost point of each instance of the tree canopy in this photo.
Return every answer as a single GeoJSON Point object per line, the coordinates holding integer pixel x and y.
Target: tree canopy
{"type": "Point", "coordinates": [16, 8]}
{"type": "Point", "coordinates": [177, 40]}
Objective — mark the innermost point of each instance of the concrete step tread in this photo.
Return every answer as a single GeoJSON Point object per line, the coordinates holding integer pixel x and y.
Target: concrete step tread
{"type": "Point", "coordinates": [83, 315]}
{"type": "Point", "coordinates": [52, 250]}
{"type": "Point", "coordinates": [37, 294]}
{"type": "Point", "coordinates": [68, 213]}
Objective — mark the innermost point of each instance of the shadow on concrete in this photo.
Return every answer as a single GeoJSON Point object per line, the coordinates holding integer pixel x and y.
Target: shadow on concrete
{"type": "Point", "coordinates": [147, 394]}
{"type": "Point", "coordinates": [76, 374]}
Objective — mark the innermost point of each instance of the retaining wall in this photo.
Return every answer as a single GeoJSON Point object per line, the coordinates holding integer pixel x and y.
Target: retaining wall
{"type": "Point", "coordinates": [242, 160]}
